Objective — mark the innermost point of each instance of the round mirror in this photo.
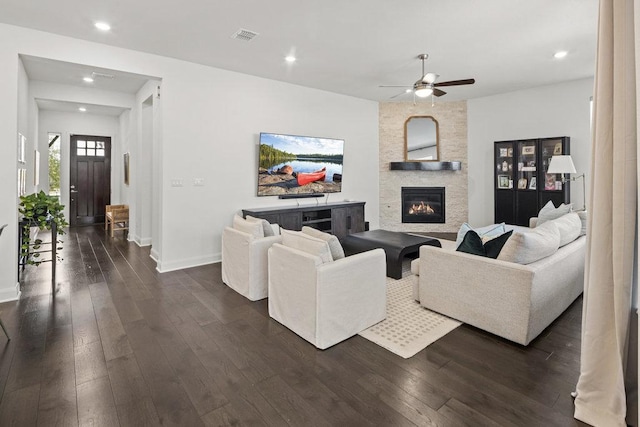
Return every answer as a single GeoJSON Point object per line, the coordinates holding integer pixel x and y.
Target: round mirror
{"type": "Point", "coordinates": [421, 139]}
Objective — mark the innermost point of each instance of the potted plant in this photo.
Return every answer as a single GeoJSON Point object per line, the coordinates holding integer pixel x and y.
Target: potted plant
{"type": "Point", "coordinates": [39, 210]}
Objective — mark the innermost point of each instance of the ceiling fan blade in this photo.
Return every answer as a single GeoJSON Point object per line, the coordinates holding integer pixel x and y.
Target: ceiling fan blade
{"type": "Point", "coordinates": [399, 94]}
{"type": "Point", "coordinates": [456, 82]}
{"type": "Point", "coordinates": [438, 92]}
{"type": "Point", "coordinates": [430, 78]}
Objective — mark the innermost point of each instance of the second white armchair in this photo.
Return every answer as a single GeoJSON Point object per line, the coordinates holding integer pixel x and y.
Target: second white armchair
{"type": "Point", "coordinates": [321, 300]}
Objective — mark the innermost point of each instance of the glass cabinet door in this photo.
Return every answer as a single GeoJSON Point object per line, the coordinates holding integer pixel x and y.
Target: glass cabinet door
{"type": "Point", "coordinates": [526, 174]}
{"type": "Point", "coordinates": [504, 165]}
{"type": "Point", "coordinates": [550, 148]}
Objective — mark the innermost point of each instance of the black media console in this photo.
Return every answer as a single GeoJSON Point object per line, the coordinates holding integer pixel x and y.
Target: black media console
{"type": "Point", "coordinates": [339, 218]}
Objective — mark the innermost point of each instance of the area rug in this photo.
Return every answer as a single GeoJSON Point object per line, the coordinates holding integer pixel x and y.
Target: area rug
{"type": "Point", "coordinates": [409, 327]}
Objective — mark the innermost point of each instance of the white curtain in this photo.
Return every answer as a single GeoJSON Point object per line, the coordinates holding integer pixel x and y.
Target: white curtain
{"type": "Point", "coordinates": [610, 258]}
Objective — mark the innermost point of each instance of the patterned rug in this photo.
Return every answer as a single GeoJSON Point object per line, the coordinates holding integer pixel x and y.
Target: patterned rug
{"type": "Point", "coordinates": [409, 327]}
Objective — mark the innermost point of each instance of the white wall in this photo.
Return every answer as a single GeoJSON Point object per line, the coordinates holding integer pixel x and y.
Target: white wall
{"type": "Point", "coordinates": [68, 124]}
{"type": "Point", "coordinates": [209, 129]}
{"type": "Point", "coordinates": [547, 111]}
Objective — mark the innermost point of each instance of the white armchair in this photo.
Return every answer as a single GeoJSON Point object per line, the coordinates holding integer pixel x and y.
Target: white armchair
{"type": "Point", "coordinates": [244, 262]}
{"type": "Point", "coordinates": [326, 302]}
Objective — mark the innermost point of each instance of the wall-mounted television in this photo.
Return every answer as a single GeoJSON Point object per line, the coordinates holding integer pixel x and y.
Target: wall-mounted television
{"type": "Point", "coordinates": [299, 166]}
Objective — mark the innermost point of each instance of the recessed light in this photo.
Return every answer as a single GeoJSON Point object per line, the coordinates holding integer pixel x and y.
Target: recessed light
{"type": "Point", "coordinates": [290, 58]}
{"type": "Point", "coordinates": [560, 54]}
{"type": "Point", "coordinates": [88, 79]}
{"type": "Point", "coordinates": [82, 109]}
{"type": "Point", "coordinates": [103, 26]}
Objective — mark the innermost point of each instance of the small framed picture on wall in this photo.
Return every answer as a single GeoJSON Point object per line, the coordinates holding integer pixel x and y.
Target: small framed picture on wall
{"type": "Point", "coordinates": [22, 146]}
{"type": "Point", "coordinates": [126, 168]}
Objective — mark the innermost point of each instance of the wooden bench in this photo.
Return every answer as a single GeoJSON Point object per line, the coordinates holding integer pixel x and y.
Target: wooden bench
{"type": "Point", "coordinates": [116, 216]}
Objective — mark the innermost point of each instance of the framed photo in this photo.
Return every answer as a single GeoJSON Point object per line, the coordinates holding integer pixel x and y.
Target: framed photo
{"type": "Point", "coordinates": [22, 143]}
{"type": "Point", "coordinates": [36, 168]}
{"type": "Point", "coordinates": [532, 183]}
{"type": "Point", "coordinates": [522, 184]}
{"type": "Point", "coordinates": [503, 181]}
{"type": "Point", "coordinates": [549, 181]}
{"type": "Point", "coordinates": [503, 152]}
{"type": "Point", "coordinates": [528, 150]}
{"type": "Point", "coordinates": [126, 168]}
{"type": "Point", "coordinates": [510, 152]}
{"type": "Point", "coordinates": [557, 149]}
{"type": "Point", "coordinates": [22, 182]}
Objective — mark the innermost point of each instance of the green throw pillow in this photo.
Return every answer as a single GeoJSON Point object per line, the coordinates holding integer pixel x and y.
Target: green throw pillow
{"type": "Point", "coordinates": [472, 244]}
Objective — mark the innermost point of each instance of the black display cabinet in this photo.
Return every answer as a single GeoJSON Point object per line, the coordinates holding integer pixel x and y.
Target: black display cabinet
{"type": "Point", "coordinates": [522, 186]}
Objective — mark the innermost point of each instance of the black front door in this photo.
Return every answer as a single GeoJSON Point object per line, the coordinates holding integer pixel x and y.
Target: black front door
{"type": "Point", "coordinates": [90, 179]}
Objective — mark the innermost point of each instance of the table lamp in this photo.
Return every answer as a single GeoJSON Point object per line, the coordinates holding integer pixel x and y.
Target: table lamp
{"type": "Point", "coordinates": [564, 165]}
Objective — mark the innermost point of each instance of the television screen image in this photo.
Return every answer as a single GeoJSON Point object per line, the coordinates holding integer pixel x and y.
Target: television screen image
{"type": "Point", "coordinates": [299, 165]}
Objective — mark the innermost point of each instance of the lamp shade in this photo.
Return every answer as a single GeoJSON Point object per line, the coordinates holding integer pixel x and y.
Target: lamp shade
{"type": "Point", "coordinates": [561, 164]}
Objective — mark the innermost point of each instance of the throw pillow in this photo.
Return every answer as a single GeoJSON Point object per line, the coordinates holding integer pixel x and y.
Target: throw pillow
{"type": "Point", "coordinates": [266, 227]}
{"type": "Point", "coordinates": [487, 232]}
{"type": "Point", "coordinates": [583, 220]}
{"type": "Point", "coordinates": [252, 228]}
{"type": "Point", "coordinates": [334, 244]}
{"type": "Point", "coordinates": [549, 212]}
{"type": "Point", "coordinates": [530, 246]}
{"type": "Point", "coordinates": [472, 244]}
{"type": "Point", "coordinates": [569, 226]}
{"type": "Point", "coordinates": [308, 244]}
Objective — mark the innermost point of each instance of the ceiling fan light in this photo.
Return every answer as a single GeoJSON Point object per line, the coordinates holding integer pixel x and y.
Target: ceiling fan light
{"type": "Point", "coordinates": [423, 92]}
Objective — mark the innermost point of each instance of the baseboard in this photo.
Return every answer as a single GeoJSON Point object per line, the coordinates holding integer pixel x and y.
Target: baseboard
{"type": "Point", "coordinates": [10, 294]}
{"type": "Point", "coordinates": [165, 267]}
{"type": "Point", "coordinates": [142, 242]}
{"type": "Point", "coordinates": [154, 255]}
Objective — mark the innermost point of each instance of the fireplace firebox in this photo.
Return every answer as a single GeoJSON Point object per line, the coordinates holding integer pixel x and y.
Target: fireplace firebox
{"type": "Point", "coordinates": [423, 205]}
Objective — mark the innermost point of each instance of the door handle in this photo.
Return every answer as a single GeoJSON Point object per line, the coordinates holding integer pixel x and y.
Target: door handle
{"type": "Point", "coordinates": [73, 191]}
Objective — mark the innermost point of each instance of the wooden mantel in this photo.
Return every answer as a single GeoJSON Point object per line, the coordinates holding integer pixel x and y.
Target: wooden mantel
{"type": "Point", "coordinates": [425, 166]}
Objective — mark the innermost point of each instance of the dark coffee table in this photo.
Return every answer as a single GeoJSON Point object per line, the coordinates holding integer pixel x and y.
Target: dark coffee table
{"type": "Point", "coordinates": [396, 246]}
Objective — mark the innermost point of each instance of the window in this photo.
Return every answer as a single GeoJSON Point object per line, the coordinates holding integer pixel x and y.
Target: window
{"type": "Point", "coordinates": [54, 164]}
{"type": "Point", "coordinates": [90, 148]}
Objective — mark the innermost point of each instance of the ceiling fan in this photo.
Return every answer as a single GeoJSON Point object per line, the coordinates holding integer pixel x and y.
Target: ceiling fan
{"type": "Point", "coordinates": [426, 85]}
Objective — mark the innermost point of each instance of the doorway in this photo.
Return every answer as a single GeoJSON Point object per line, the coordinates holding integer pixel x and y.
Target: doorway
{"type": "Point", "coordinates": [89, 179]}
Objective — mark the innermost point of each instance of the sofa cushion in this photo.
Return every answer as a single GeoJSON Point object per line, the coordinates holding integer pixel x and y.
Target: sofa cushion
{"type": "Point", "coordinates": [266, 227]}
{"type": "Point", "coordinates": [473, 244]}
{"type": "Point", "coordinates": [531, 246]}
{"type": "Point", "coordinates": [253, 228]}
{"type": "Point", "coordinates": [334, 244]}
{"type": "Point", "coordinates": [487, 232]}
{"type": "Point", "coordinates": [305, 243]}
{"type": "Point", "coordinates": [569, 226]}
{"type": "Point", "coordinates": [549, 212]}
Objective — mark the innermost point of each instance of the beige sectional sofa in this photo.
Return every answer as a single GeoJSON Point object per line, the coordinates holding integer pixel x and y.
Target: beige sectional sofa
{"type": "Point", "coordinates": [511, 300]}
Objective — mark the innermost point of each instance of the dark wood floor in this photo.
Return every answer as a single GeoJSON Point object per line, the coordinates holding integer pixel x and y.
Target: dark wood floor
{"type": "Point", "coordinates": [120, 344]}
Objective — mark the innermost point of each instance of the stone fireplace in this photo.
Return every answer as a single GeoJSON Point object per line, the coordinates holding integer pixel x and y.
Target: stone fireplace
{"type": "Point", "coordinates": [452, 121]}
{"type": "Point", "coordinates": [423, 205]}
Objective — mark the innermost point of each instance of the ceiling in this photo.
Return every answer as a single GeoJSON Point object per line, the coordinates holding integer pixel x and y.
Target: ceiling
{"type": "Point", "coordinates": [348, 47]}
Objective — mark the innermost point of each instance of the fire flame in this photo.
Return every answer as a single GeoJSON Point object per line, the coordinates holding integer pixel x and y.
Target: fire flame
{"type": "Point", "coordinates": [422, 208]}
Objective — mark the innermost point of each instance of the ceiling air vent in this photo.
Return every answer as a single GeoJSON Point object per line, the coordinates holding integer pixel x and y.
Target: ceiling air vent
{"type": "Point", "coordinates": [242, 34]}
{"type": "Point", "coordinates": [102, 75]}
